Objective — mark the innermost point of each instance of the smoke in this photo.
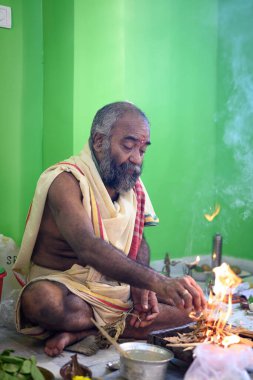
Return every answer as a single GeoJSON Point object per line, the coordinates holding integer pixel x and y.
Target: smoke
{"type": "Point", "coordinates": [236, 38]}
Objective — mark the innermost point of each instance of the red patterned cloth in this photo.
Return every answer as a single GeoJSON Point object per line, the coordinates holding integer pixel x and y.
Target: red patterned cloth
{"type": "Point", "coordinates": [139, 221]}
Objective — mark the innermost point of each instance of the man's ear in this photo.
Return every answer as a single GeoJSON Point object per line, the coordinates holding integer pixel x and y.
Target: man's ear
{"type": "Point", "coordinates": [98, 142]}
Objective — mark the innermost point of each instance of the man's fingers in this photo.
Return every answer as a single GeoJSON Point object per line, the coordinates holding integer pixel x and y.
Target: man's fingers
{"type": "Point", "coordinates": [202, 296]}
{"type": "Point", "coordinates": [153, 302]}
{"type": "Point", "coordinates": [152, 316]}
{"type": "Point", "coordinates": [144, 299]}
{"type": "Point", "coordinates": [139, 321]}
{"type": "Point", "coordinates": [133, 320]}
{"type": "Point", "coordinates": [187, 298]}
{"type": "Point", "coordinates": [192, 294]}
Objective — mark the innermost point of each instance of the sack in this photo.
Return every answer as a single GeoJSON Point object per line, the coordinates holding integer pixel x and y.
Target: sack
{"type": "Point", "coordinates": [213, 362]}
{"type": "Point", "coordinates": [7, 310]}
{"type": "Point", "coordinates": [8, 255]}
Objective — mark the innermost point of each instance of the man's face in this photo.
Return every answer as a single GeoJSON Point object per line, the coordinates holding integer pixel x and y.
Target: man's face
{"type": "Point", "coordinates": [122, 156]}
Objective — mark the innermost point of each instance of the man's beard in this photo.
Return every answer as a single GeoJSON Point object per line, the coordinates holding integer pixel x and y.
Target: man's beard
{"type": "Point", "coordinates": [122, 177]}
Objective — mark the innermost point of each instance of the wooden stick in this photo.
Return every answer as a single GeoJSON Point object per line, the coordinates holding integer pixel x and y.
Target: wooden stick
{"type": "Point", "coordinates": [110, 339]}
{"type": "Point", "coordinates": [244, 332]}
{"type": "Point", "coordinates": [182, 344]}
{"type": "Point", "coordinates": [246, 341]}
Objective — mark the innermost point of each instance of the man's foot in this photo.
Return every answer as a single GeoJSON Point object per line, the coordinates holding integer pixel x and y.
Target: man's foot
{"type": "Point", "coordinates": [55, 345]}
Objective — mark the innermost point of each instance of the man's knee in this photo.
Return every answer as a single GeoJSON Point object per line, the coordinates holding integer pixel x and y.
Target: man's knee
{"type": "Point", "coordinates": [41, 299]}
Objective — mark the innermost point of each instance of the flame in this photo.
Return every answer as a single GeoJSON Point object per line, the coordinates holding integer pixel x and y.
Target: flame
{"type": "Point", "coordinates": [193, 263]}
{"type": "Point", "coordinates": [210, 217]}
{"type": "Point", "coordinates": [218, 312]}
{"type": "Point", "coordinates": [196, 261]}
{"type": "Point", "coordinates": [230, 339]}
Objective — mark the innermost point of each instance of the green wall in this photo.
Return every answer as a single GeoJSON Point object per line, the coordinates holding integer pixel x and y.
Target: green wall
{"type": "Point", "coordinates": [234, 126]}
{"type": "Point", "coordinates": [20, 113]}
{"type": "Point", "coordinates": [175, 60]}
{"type": "Point", "coordinates": [58, 45]}
{"type": "Point", "coordinates": [161, 56]}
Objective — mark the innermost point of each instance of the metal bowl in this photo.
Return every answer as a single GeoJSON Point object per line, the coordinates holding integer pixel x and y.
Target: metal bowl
{"type": "Point", "coordinates": [144, 361]}
{"type": "Point", "coordinates": [48, 375]}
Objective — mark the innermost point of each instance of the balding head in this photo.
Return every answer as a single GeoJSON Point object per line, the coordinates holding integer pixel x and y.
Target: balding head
{"type": "Point", "coordinates": [106, 117]}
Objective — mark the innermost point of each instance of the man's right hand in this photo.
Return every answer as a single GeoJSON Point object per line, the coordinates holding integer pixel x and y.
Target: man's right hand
{"type": "Point", "coordinates": [145, 307]}
{"type": "Point", "coordinates": [182, 292]}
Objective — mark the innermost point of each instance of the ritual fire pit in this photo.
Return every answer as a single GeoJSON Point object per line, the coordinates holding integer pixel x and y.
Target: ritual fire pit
{"type": "Point", "coordinates": [210, 326]}
{"type": "Point", "coordinates": [159, 338]}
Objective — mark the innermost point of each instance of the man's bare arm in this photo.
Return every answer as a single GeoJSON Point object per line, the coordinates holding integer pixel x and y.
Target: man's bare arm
{"type": "Point", "coordinates": [143, 256]}
{"type": "Point", "coordinates": [65, 202]}
{"type": "Point", "coordinates": [145, 304]}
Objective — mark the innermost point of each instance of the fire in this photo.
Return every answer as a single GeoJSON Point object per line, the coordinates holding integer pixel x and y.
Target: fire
{"type": "Point", "coordinates": [211, 325]}
{"type": "Point", "coordinates": [217, 312]}
{"type": "Point", "coordinates": [210, 217]}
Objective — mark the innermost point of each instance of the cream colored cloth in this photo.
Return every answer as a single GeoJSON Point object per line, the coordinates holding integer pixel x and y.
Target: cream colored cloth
{"type": "Point", "coordinates": [109, 301]}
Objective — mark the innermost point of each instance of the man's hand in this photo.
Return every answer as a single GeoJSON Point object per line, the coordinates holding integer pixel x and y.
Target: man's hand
{"type": "Point", "coordinates": [145, 307]}
{"type": "Point", "coordinates": [184, 293]}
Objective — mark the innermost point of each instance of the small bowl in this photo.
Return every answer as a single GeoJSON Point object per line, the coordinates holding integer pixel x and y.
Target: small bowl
{"type": "Point", "coordinates": [201, 276]}
{"type": "Point", "coordinates": [145, 362]}
{"type": "Point", "coordinates": [48, 375]}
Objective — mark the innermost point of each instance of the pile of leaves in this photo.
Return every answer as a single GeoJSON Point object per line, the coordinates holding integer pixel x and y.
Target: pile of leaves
{"type": "Point", "coordinates": [18, 368]}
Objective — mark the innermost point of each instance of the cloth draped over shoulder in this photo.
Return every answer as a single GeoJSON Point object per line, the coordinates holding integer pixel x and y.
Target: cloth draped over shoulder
{"type": "Point", "coordinates": [119, 223]}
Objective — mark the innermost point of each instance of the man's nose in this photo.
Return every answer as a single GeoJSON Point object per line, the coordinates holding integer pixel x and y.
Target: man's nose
{"type": "Point", "coordinates": [135, 157]}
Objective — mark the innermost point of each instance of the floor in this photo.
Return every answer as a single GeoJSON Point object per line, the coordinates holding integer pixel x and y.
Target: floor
{"type": "Point", "coordinates": [25, 346]}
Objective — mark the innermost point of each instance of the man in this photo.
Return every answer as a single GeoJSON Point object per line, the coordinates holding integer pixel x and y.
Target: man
{"type": "Point", "coordinates": [83, 244]}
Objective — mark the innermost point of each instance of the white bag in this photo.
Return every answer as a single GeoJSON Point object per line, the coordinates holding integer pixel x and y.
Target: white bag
{"type": "Point", "coordinates": [213, 362]}
{"type": "Point", "coordinates": [8, 255]}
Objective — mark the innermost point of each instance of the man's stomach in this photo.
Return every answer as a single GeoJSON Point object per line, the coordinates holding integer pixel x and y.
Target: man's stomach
{"type": "Point", "coordinates": [59, 261]}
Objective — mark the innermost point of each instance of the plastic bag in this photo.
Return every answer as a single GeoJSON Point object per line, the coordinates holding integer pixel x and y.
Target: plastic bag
{"type": "Point", "coordinates": [8, 255]}
{"type": "Point", "coordinates": [213, 362]}
{"type": "Point", "coordinates": [7, 310]}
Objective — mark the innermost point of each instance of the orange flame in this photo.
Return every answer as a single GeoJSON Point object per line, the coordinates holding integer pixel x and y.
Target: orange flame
{"type": "Point", "coordinates": [210, 217]}
{"type": "Point", "coordinates": [217, 312]}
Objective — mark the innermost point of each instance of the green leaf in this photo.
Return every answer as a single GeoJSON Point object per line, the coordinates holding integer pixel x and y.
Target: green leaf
{"type": "Point", "coordinates": [20, 376]}
{"type": "Point", "coordinates": [35, 372]}
{"type": "Point", "coordinates": [26, 367]}
{"type": "Point", "coordinates": [10, 367]}
{"type": "Point", "coordinates": [7, 352]}
{"type": "Point", "coordinates": [6, 376]}
{"type": "Point", "coordinates": [198, 269]}
{"type": "Point", "coordinates": [11, 359]}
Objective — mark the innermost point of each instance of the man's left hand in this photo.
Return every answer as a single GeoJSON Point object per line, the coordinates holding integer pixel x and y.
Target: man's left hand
{"type": "Point", "coordinates": [145, 307]}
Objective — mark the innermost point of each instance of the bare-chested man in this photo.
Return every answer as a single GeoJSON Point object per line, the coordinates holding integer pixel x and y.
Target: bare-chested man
{"type": "Point", "coordinates": [84, 242]}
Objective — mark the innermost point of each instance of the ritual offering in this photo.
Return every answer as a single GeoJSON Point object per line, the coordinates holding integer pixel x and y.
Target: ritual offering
{"type": "Point", "coordinates": [73, 370]}
{"type": "Point", "coordinates": [211, 326]}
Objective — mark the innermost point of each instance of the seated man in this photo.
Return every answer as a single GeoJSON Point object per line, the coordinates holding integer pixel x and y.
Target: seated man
{"type": "Point", "coordinates": [83, 252]}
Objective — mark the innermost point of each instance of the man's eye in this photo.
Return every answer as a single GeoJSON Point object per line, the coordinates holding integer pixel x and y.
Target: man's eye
{"type": "Point", "coordinates": [128, 148]}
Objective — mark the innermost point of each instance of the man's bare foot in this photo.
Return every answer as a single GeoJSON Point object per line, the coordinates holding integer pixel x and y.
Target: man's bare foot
{"type": "Point", "coordinates": [56, 344]}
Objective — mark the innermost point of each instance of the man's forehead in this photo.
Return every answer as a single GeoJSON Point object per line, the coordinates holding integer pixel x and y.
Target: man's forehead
{"type": "Point", "coordinates": [132, 127]}
{"type": "Point", "coordinates": [142, 140]}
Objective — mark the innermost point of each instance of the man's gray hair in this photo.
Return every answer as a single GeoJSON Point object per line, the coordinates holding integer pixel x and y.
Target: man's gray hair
{"type": "Point", "coordinates": [106, 117]}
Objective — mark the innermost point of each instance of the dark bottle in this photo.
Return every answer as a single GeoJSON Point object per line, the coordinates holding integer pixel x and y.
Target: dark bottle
{"type": "Point", "coordinates": [217, 250]}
